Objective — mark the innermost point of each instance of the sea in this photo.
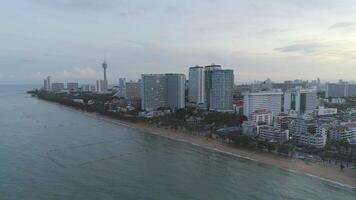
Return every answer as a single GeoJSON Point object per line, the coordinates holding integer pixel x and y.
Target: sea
{"type": "Point", "coordinates": [48, 151]}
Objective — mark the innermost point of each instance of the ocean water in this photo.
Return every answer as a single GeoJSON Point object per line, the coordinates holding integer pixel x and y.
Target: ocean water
{"type": "Point", "coordinates": [48, 151]}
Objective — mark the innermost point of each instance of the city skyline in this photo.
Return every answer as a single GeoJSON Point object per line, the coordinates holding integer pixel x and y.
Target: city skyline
{"type": "Point", "coordinates": [68, 40]}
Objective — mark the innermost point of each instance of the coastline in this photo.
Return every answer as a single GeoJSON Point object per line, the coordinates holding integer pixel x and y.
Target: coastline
{"type": "Point", "coordinates": [326, 172]}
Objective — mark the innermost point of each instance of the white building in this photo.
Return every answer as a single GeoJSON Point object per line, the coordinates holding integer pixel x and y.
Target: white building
{"type": "Point", "coordinates": [163, 90]}
{"type": "Point", "coordinates": [306, 131]}
{"type": "Point", "coordinates": [315, 140]}
{"type": "Point", "coordinates": [271, 134]}
{"type": "Point", "coordinates": [270, 101]}
{"type": "Point", "coordinates": [196, 85]}
{"type": "Point", "coordinates": [300, 100]}
{"type": "Point", "coordinates": [88, 88]}
{"type": "Point", "coordinates": [262, 117]}
{"type": "Point", "coordinates": [101, 86]}
{"type": "Point", "coordinates": [345, 131]}
{"type": "Point", "coordinates": [322, 111]}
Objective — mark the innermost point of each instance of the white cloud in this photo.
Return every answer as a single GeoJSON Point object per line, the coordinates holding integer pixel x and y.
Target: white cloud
{"type": "Point", "coordinates": [79, 73]}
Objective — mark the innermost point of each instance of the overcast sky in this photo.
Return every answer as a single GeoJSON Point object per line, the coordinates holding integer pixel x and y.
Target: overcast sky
{"type": "Point", "coordinates": [259, 39]}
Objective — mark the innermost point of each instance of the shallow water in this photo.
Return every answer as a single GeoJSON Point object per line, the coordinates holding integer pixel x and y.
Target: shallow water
{"type": "Point", "coordinates": [50, 152]}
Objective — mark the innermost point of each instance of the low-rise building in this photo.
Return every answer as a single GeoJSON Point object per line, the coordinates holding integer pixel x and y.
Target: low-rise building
{"type": "Point", "coordinates": [322, 111]}
{"type": "Point", "coordinates": [306, 131]}
{"type": "Point", "coordinates": [249, 128]}
{"type": "Point", "coordinates": [345, 131]}
{"type": "Point", "coordinates": [273, 134]}
{"type": "Point", "coordinates": [315, 140]}
{"type": "Point", "coordinates": [281, 121]}
{"type": "Point", "coordinates": [262, 117]}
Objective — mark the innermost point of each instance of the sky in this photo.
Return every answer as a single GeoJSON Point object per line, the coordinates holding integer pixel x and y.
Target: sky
{"type": "Point", "coordinates": [258, 39]}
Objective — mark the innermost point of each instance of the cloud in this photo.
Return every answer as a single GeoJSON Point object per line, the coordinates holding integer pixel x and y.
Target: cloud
{"type": "Point", "coordinates": [342, 25]}
{"type": "Point", "coordinates": [118, 7]}
{"type": "Point", "coordinates": [79, 73]}
{"type": "Point", "coordinates": [300, 48]}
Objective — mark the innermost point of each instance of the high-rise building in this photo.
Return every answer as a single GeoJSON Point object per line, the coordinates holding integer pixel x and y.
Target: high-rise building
{"type": "Point", "coordinates": [72, 86]}
{"type": "Point", "coordinates": [340, 89]}
{"type": "Point", "coordinates": [47, 83]}
{"type": "Point", "coordinates": [133, 90]}
{"type": "Point", "coordinates": [196, 85]}
{"type": "Point", "coordinates": [175, 90]}
{"type": "Point", "coordinates": [122, 87]}
{"type": "Point", "coordinates": [57, 87]}
{"type": "Point", "coordinates": [163, 90]}
{"type": "Point", "coordinates": [336, 89]}
{"type": "Point", "coordinates": [101, 86]}
{"type": "Point", "coordinates": [300, 100]}
{"type": "Point", "coordinates": [153, 91]}
{"type": "Point", "coordinates": [208, 82]}
{"type": "Point", "coordinates": [270, 101]}
{"type": "Point", "coordinates": [221, 90]}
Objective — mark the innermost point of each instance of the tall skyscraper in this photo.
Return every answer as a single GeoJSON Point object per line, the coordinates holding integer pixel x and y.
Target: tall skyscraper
{"type": "Point", "coordinates": [208, 81]}
{"type": "Point", "coordinates": [175, 86]}
{"type": "Point", "coordinates": [270, 101]}
{"type": "Point", "coordinates": [122, 87]}
{"type": "Point", "coordinates": [153, 91]}
{"type": "Point", "coordinates": [163, 90]}
{"type": "Point", "coordinates": [196, 85]}
{"type": "Point", "coordinates": [47, 83]}
{"type": "Point", "coordinates": [221, 90]}
{"type": "Point", "coordinates": [219, 84]}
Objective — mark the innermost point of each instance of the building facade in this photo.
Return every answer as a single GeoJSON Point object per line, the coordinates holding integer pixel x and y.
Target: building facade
{"type": "Point", "coordinates": [221, 90]}
{"type": "Point", "coordinates": [196, 85]}
{"type": "Point", "coordinates": [271, 134]}
{"type": "Point", "coordinates": [163, 91]}
{"type": "Point", "coordinates": [57, 87]}
{"type": "Point", "coordinates": [270, 101]}
{"type": "Point", "coordinates": [300, 100]}
{"type": "Point", "coordinates": [340, 89]}
{"type": "Point", "coordinates": [72, 86]}
{"type": "Point", "coordinates": [133, 90]}
{"type": "Point", "coordinates": [262, 117]}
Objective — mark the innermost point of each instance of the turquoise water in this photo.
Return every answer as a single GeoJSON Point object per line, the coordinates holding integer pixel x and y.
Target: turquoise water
{"type": "Point", "coordinates": [51, 152]}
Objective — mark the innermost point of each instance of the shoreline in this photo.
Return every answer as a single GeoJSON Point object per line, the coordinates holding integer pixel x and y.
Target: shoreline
{"type": "Point", "coordinates": [329, 172]}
